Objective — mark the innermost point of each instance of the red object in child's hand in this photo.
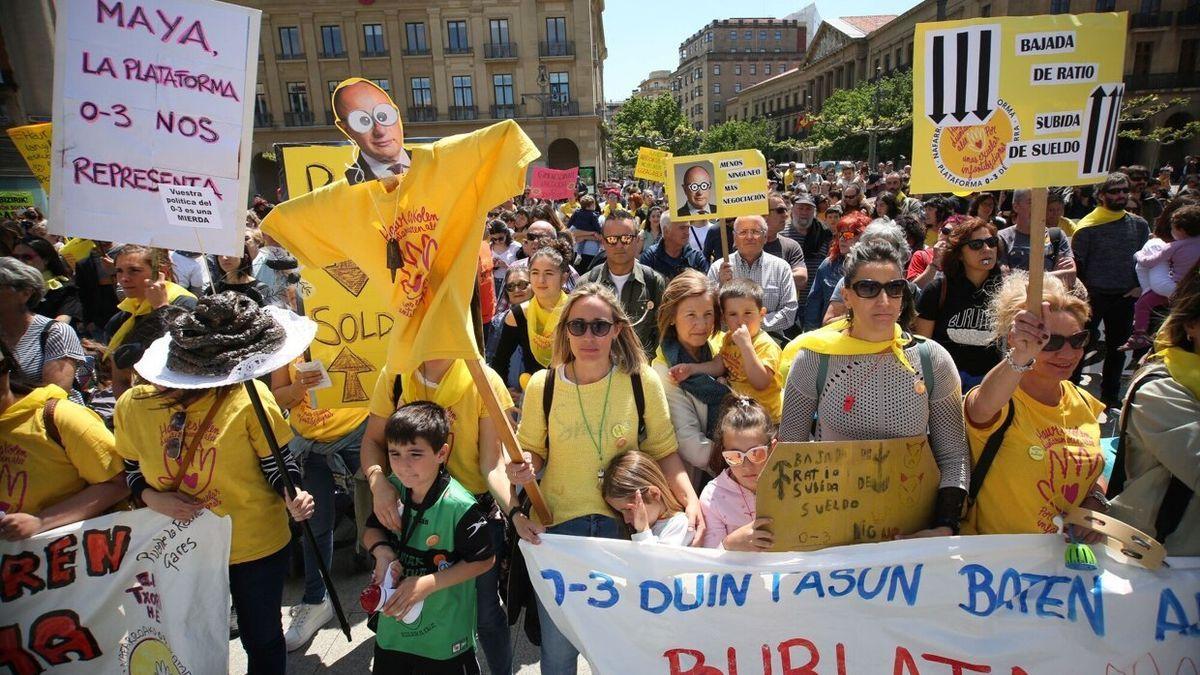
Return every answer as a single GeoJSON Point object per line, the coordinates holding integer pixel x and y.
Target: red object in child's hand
{"type": "Point", "coordinates": [370, 597]}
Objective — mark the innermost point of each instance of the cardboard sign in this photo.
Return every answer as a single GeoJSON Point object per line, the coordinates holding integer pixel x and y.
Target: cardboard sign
{"type": "Point", "coordinates": [720, 185]}
{"type": "Point", "coordinates": [652, 165]}
{"type": "Point", "coordinates": [1016, 102]}
{"type": "Point", "coordinates": [33, 142]}
{"type": "Point", "coordinates": [149, 93]}
{"type": "Point", "coordinates": [13, 202]}
{"type": "Point", "coordinates": [130, 592]}
{"type": "Point", "coordinates": [1003, 604]}
{"type": "Point", "coordinates": [553, 183]}
{"type": "Point", "coordinates": [834, 493]}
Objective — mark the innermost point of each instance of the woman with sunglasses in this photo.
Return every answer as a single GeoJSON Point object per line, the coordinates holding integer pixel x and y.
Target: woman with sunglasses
{"type": "Point", "coordinates": [864, 378]}
{"type": "Point", "coordinates": [504, 252]}
{"type": "Point", "coordinates": [63, 450]}
{"type": "Point", "coordinates": [594, 406]}
{"type": "Point", "coordinates": [1044, 428]}
{"type": "Point", "coordinates": [1155, 484]}
{"type": "Point", "coordinates": [952, 309]}
{"type": "Point", "coordinates": [61, 301]}
{"type": "Point", "coordinates": [849, 228]}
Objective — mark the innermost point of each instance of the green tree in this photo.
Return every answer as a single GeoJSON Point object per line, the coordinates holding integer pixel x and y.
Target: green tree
{"type": "Point", "coordinates": [1137, 110]}
{"type": "Point", "coordinates": [652, 122]}
{"type": "Point", "coordinates": [745, 135]}
{"type": "Point", "coordinates": [842, 129]}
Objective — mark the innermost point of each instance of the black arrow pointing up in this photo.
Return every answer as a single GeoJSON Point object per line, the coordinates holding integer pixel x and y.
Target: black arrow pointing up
{"type": "Point", "coordinates": [1110, 128]}
{"type": "Point", "coordinates": [960, 84]}
{"type": "Point", "coordinates": [983, 106]}
{"type": "Point", "coordinates": [939, 80]}
{"type": "Point", "coordinates": [1093, 129]}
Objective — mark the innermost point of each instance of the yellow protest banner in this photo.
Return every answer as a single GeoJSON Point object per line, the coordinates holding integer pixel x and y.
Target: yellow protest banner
{"type": "Point", "coordinates": [76, 249]}
{"type": "Point", "coordinates": [651, 165]}
{"type": "Point", "coordinates": [1016, 102]}
{"type": "Point", "coordinates": [13, 202]}
{"type": "Point", "coordinates": [33, 142]}
{"type": "Point", "coordinates": [308, 167]}
{"type": "Point", "coordinates": [718, 185]}
{"type": "Point", "coordinates": [847, 492]}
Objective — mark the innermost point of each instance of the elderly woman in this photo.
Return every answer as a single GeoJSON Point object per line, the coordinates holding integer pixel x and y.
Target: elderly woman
{"type": "Point", "coordinates": [67, 457]}
{"type": "Point", "coordinates": [1156, 483]}
{"type": "Point", "coordinates": [866, 379]}
{"type": "Point", "coordinates": [1034, 435]}
{"type": "Point", "coordinates": [61, 301]}
{"type": "Point", "coordinates": [44, 351]}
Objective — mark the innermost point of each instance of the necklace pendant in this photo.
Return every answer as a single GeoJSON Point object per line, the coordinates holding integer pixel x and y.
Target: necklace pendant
{"type": "Point", "coordinates": [848, 403]}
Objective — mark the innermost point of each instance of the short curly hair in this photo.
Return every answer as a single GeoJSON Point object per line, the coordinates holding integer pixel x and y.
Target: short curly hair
{"type": "Point", "coordinates": [1009, 298]}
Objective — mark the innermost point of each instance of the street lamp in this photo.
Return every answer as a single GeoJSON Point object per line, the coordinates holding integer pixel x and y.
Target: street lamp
{"type": "Point", "coordinates": [874, 129]}
{"type": "Point", "coordinates": [543, 98]}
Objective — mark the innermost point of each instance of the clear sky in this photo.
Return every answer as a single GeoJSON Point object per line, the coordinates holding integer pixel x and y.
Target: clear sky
{"type": "Point", "coordinates": [644, 35]}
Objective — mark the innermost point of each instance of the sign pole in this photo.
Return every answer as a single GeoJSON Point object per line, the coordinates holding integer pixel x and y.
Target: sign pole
{"type": "Point", "coordinates": [1037, 260]}
{"type": "Point", "coordinates": [724, 243]}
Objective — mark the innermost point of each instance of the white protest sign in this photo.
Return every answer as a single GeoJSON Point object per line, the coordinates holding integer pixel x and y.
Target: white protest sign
{"type": "Point", "coordinates": [130, 592]}
{"type": "Point", "coordinates": [151, 92]}
{"type": "Point", "coordinates": [951, 605]}
{"type": "Point", "coordinates": [190, 206]}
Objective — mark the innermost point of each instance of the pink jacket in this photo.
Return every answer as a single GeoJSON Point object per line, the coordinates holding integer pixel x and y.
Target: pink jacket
{"type": "Point", "coordinates": [726, 506]}
{"type": "Point", "coordinates": [1181, 254]}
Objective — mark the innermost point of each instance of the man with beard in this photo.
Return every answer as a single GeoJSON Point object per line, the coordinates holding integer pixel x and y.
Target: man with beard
{"type": "Point", "coordinates": [1105, 243]}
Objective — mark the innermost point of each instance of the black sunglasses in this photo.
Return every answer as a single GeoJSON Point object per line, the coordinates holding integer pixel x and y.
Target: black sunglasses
{"type": "Point", "coordinates": [978, 244]}
{"type": "Point", "coordinates": [614, 239]}
{"type": "Point", "coordinates": [176, 426]}
{"type": "Point", "coordinates": [516, 286]}
{"type": "Point", "coordinates": [1116, 191]}
{"type": "Point", "coordinates": [599, 327]}
{"type": "Point", "coordinates": [869, 288]}
{"type": "Point", "coordinates": [1077, 341]}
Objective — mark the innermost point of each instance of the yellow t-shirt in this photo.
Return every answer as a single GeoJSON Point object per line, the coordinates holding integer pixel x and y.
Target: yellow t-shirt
{"type": "Point", "coordinates": [225, 474]}
{"type": "Point", "coordinates": [465, 418]}
{"type": "Point", "coordinates": [36, 472]}
{"type": "Point", "coordinates": [568, 208]}
{"type": "Point", "coordinates": [1049, 459]}
{"type": "Point", "coordinates": [323, 425]}
{"type": "Point", "coordinates": [931, 236]}
{"type": "Point", "coordinates": [770, 355]}
{"type": "Point", "coordinates": [436, 216]}
{"type": "Point", "coordinates": [571, 482]}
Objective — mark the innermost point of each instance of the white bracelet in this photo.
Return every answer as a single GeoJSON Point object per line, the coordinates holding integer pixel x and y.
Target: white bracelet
{"type": "Point", "coordinates": [1008, 358]}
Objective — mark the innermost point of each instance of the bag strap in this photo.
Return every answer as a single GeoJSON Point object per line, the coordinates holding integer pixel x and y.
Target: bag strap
{"type": "Point", "coordinates": [1170, 512]}
{"type": "Point", "coordinates": [50, 424]}
{"type": "Point", "coordinates": [1116, 482]}
{"type": "Point", "coordinates": [925, 352]}
{"type": "Point", "coordinates": [195, 443]}
{"type": "Point", "coordinates": [639, 401]}
{"type": "Point", "coordinates": [397, 392]}
{"type": "Point", "coordinates": [822, 375]}
{"type": "Point", "coordinates": [548, 401]}
{"type": "Point", "coordinates": [43, 338]}
{"type": "Point", "coordinates": [990, 449]}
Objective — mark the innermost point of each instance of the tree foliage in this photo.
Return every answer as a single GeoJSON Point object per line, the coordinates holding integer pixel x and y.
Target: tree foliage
{"type": "Point", "coordinates": [1137, 110]}
{"type": "Point", "coordinates": [652, 122]}
{"type": "Point", "coordinates": [756, 134]}
{"type": "Point", "coordinates": [842, 128]}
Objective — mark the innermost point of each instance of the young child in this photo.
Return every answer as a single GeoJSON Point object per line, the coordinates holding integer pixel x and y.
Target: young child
{"type": "Point", "coordinates": [1159, 269]}
{"type": "Point", "coordinates": [749, 358]}
{"type": "Point", "coordinates": [635, 487]}
{"type": "Point", "coordinates": [744, 442]}
{"type": "Point", "coordinates": [443, 545]}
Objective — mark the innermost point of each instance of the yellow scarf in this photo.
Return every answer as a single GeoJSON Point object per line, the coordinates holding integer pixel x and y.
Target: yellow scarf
{"type": "Point", "coordinates": [137, 307]}
{"type": "Point", "coordinates": [1184, 367]}
{"type": "Point", "coordinates": [541, 323]}
{"type": "Point", "coordinates": [1099, 216]}
{"type": "Point", "coordinates": [834, 339]}
{"type": "Point", "coordinates": [448, 391]}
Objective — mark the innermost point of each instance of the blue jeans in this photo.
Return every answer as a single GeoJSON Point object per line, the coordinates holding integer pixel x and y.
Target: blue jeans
{"type": "Point", "coordinates": [559, 656]}
{"type": "Point", "coordinates": [492, 621]}
{"type": "Point", "coordinates": [319, 482]}
{"type": "Point", "coordinates": [257, 590]}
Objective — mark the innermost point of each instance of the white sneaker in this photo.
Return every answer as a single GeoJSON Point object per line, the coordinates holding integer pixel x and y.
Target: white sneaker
{"type": "Point", "coordinates": [306, 621]}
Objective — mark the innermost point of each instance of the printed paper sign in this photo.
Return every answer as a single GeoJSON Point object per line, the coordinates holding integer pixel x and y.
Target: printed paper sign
{"type": "Point", "coordinates": [1016, 102]}
{"type": "Point", "coordinates": [190, 206]}
{"type": "Point", "coordinates": [33, 142]}
{"type": "Point", "coordinates": [1005, 605]}
{"type": "Point", "coordinates": [720, 185]}
{"type": "Point", "coordinates": [13, 202]}
{"type": "Point", "coordinates": [131, 592]}
{"type": "Point", "coordinates": [553, 183]}
{"type": "Point", "coordinates": [156, 92]}
{"type": "Point", "coordinates": [834, 493]}
{"type": "Point", "coordinates": [652, 165]}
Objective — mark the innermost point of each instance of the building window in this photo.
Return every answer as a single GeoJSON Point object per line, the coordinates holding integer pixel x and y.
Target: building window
{"type": "Point", "coordinates": [782, 67]}
{"type": "Point", "coordinates": [1060, 6]}
{"type": "Point", "coordinates": [762, 36]}
{"type": "Point", "coordinates": [985, 11]}
{"type": "Point", "coordinates": [716, 106]}
{"type": "Point", "coordinates": [417, 42]}
{"type": "Point", "coordinates": [502, 89]}
{"type": "Point", "coordinates": [463, 95]}
{"type": "Point", "coordinates": [737, 69]}
{"type": "Point", "coordinates": [422, 95]}
{"type": "Point", "coordinates": [1106, 5]}
{"type": "Point", "coordinates": [499, 31]}
{"type": "Point", "coordinates": [716, 69]}
{"type": "Point", "coordinates": [766, 69]}
{"type": "Point", "coordinates": [737, 87]}
{"type": "Point", "coordinates": [1151, 6]}
{"type": "Point", "coordinates": [1189, 50]}
{"type": "Point", "coordinates": [708, 36]}
{"type": "Point", "coordinates": [1142, 54]}
{"type": "Point", "coordinates": [753, 68]}
{"type": "Point", "coordinates": [373, 43]}
{"type": "Point", "coordinates": [716, 87]}
{"type": "Point", "coordinates": [560, 87]}
{"type": "Point", "coordinates": [887, 63]}
{"type": "Point", "coordinates": [289, 43]}
{"type": "Point", "coordinates": [733, 35]}
{"type": "Point", "coordinates": [749, 35]}
{"type": "Point", "coordinates": [459, 42]}
{"type": "Point", "coordinates": [260, 100]}
{"type": "Point", "coordinates": [297, 96]}
{"type": "Point", "coordinates": [778, 35]}
{"type": "Point", "coordinates": [384, 84]}
{"type": "Point", "coordinates": [331, 42]}
{"type": "Point", "coordinates": [556, 29]}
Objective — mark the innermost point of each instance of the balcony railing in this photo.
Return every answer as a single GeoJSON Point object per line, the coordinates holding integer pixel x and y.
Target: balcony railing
{"type": "Point", "coordinates": [329, 117]}
{"type": "Point", "coordinates": [289, 56]}
{"type": "Point", "coordinates": [1189, 16]}
{"type": "Point", "coordinates": [506, 112]}
{"type": "Point", "coordinates": [500, 51]}
{"type": "Point", "coordinates": [416, 51]}
{"type": "Point", "coordinates": [463, 112]}
{"type": "Point", "coordinates": [374, 53]}
{"type": "Point", "coordinates": [263, 120]}
{"type": "Point", "coordinates": [1147, 82]}
{"type": "Point", "coordinates": [459, 49]}
{"type": "Point", "coordinates": [562, 108]}
{"type": "Point", "coordinates": [333, 55]}
{"type": "Point", "coordinates": [1151, 19]}
{"type": "Point", "coordinates": [425, 113]}
{"type": "Point", "coordinates": [551, 49]}
{"type": "Point", "coordinates": [303, 118]}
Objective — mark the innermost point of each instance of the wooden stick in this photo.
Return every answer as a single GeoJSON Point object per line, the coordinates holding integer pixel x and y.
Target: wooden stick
{"type": "Point", "coordinates": [507, 437]}
{"type": "Point", "coordinates": [1037, 259]}
{"type": "Point", "coordinates": [724, 242]}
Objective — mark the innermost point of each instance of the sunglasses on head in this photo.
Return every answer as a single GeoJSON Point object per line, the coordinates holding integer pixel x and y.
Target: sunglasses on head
{"type": "Point", "coordinates": [978, 244]}
{"type": "Point", "coordinates": [176, 426]}
{"type": "Point", "coordinates": [516, 286]}
{"type": "Point", "coordinates": [599, 327]}
{"type": "Point", "coordinates": [614, 239]}
{"type": "Point", "coordinates": [1077, 341]}
{"type": "Point", "coordinates": [757, 455]}
{"type": "Point", "coordinates": [869, 288]}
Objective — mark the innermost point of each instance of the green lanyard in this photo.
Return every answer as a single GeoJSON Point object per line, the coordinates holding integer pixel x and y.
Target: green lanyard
{"type": "Point", "coordinates": [597, 437]}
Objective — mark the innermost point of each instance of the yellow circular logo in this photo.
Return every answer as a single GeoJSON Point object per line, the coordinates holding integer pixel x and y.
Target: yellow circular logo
{"type": "Point", "coordinates": [152, 657]}
{"type": "Point", "coordinates": [974, 155]}
{"type": "Point", "coordinates": [620, 429]}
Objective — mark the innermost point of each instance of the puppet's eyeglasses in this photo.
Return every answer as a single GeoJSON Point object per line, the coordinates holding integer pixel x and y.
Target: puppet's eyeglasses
{"type": "Point", "coordinates": [361, 121]}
